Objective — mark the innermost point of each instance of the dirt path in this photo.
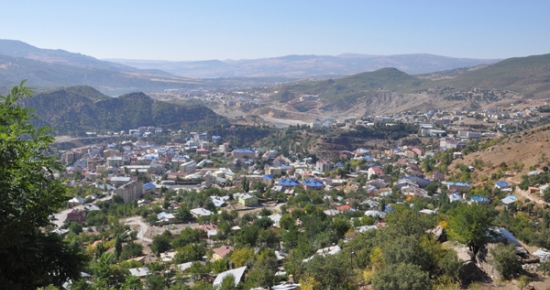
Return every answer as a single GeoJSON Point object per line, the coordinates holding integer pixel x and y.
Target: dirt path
{"type": "Point", "coordinates": [535, 198]}
{"type": "Point", "coordinates": [143, 227]}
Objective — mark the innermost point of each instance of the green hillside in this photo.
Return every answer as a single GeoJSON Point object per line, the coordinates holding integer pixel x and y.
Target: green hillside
{"type": "Point", "coordinates": [75, 110]}
{"type": "Point", "coordinates": [343, 92]}
{"type": "Point", "coordinates": [527, 75]}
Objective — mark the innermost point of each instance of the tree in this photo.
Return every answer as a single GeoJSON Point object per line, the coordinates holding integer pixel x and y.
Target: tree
{"type": "Point", "coordinates": [187, 236]}
{"type": "Point", "coordinates": [161, 243]}
{"type": "Point", "coordinates": [505, 260]}
{"type": "Point", "coordinates": [546, 194]}
{"type": "Point", "coordinates": [30, 194]}
{"type": "Point", "coordinates": [190, 252]}
{"type": "Point", "coordinates": [245, 184]}
{"type": "Point", "coordinates": [183, 214]}
{"type": "Point", "coordinates": [472, 225]}
{"type": "Point", "coordinates": [241, 257]}
{"type": "Point", "coordinates": [154, 282]}
{"type": "Point", "coordinates": [401, 276]}
{"type": "Point", "coordinates": [118, 247]}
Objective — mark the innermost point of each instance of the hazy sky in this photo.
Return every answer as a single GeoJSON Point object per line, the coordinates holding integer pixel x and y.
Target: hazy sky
{"type": "Point", "coordinates": [202, 29]}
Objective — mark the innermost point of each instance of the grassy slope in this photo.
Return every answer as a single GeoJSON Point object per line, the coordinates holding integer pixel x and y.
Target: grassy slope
{"type": "Point", "coordinates": [348, 90]}
{"type": "Point", "coordinates": [527, 75]}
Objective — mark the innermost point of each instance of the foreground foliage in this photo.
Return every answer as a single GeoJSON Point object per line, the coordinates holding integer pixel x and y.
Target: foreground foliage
{"type": "Point", "coordinates": [29, 194]}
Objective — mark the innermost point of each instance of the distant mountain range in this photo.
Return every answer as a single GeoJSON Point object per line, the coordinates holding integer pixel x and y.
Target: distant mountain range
{"type": "Point", "coordinates": [47, 68]}
{"type": "Point", "coordinates": [75, 110]}
{"type": "Point", "coordinates": [391, 88]}
{"type": "Point", "coordinates": [305, 66]}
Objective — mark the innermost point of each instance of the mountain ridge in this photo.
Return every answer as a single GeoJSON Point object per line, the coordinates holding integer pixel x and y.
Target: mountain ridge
{"type": "Point", "coordinates": [301, 66]}
{"type": "Point", "coordinates": [391, 90]}
{"type": "Point", "coordinates": [75, 110]}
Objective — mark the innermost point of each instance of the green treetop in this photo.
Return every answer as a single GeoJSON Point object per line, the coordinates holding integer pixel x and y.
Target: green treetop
{"type": "Point", "coordinates": [30, 256]}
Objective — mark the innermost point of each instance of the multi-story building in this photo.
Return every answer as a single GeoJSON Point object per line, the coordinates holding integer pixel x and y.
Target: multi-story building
{"type": "Point", "coordinates": [323, 165]}
{"type": "Point", "coordinates": [130, 191]}
{"type": "Point", "coordinates": [244, 154]}
{"type": "Point", "coordinates": [115, 161]}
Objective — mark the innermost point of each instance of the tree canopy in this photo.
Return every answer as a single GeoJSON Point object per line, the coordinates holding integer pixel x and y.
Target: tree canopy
{"type": "Point", "coordinates": [31, 256]}
{"type": "Point", "coordinates": [472, 225]}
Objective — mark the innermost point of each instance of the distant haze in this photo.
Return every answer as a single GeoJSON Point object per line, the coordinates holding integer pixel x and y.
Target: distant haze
{"type": "Point", "coordinates": [300, 66]}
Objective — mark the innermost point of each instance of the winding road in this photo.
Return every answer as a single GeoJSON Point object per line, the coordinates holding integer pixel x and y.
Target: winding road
{"type": "Point", "coordinates": [143, 227]}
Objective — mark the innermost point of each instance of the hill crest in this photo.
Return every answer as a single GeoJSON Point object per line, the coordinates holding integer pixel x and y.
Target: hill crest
{"type": "Point", "coordinates": [75, 110]}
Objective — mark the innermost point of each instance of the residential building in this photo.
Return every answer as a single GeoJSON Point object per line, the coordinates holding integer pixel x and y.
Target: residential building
{"type": "Point", "coordinates": [117, 181]}
{"type": "Point", "coordinates": [130, 191]}
{"type": "Point", "coordinates": [198, 212]}
{"type": "Point", "coordinates": [237, 274]}
{"type": "Point", "coordinates": [323, 165]}
{"type": "Point", "coordinates": [469, 135]}
{"type": "Point", "coordinates": [248, 199]}
{"type": "Point", "coordinates": [115, 161]}
{"type": "Point", "coordinates": [288, 183]}
{"type": "Point", "coordinates": [188, 167]}
{"type": "Point", "coordinates": [76, 216]}
{"type": "Point", "coordinates": [374, 170]}
{"type": "Point", "coordinates": [502, 185]}
{"type": "Point", "coordinates": [313, 184]}
{"type": "Point", "coordinates": [221, 252]}
{"type": "Point", "coordinates": [244, 154]}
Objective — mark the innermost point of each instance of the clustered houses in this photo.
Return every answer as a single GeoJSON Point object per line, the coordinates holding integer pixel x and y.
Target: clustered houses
{"type": "Point", "coordinates": [135, 170]}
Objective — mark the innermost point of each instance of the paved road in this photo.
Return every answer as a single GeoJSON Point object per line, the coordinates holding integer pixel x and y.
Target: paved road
{"type": "Point", "coordinates": [61, 139]}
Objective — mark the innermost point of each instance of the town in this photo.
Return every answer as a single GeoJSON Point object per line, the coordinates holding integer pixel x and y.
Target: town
{"type": "Point", "coordinates": [195, 210]}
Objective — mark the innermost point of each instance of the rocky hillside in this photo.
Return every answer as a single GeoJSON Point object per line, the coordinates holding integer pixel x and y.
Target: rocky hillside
{"type": "Point", "coordinates": [516, 152]}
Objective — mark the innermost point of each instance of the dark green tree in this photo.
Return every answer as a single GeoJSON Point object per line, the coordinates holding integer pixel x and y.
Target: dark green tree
{"type": "Point", "coordinates": [472, 225]}
{"type": "Point", "coordinates": [161, 243]}
{"type": "Point", "coordinates": [505, 260]}
{"type": "Point", "coordinates": [402, 276]}
{"type": "Point", "coordinates": [245, 184]}
{"type": "Point", "coordinates": [155, 282]}
{"type": "Point", "coordinates": [31, 257]}
{"type": "Point", "coordinates": [118, 247]}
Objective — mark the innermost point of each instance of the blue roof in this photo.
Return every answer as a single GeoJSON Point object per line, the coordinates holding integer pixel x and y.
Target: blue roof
{"type": "Point", "coordinates": [313, 183]}
{"type": "Point", "coordinates": [339, 164]}
{"type": "Point", "coordinates": [285, 167]}
{"type": "Point", "coordinates": [479, 198]}
{"type": "Point", "coordinates": [368, 158]}
{"type": "Point", "coordinates": [502, 184]}
{"type": "Point", "coordinates": [371, 164]}
{"type": "Point", "coordinates": [148, 186]}
{"type": "Point", "coordinates": [458, 184]}
{"type": "Point", "coordinates": [288, 182]}
{"type": "Point", "coordinates": [268, 177]}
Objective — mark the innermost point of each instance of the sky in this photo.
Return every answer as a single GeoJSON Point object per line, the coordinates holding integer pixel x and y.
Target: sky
{"type": "Point", "coordinates": [204, 30]}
